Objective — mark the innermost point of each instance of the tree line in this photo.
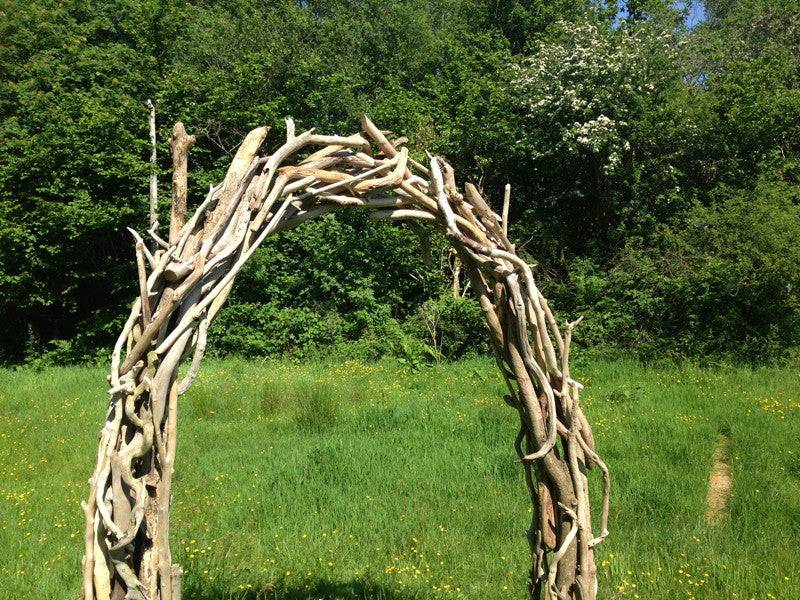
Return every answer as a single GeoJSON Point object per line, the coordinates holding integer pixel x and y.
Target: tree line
{"type": "Point", "coordinates": [653, 164]}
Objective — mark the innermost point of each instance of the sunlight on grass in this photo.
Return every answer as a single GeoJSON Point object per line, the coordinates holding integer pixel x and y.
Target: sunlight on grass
{"type": "Point", "coordinates": [353, 481]}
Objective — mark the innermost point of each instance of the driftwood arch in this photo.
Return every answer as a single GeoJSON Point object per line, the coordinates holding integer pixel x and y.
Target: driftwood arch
{"type": "Point", "coordinates": [127, 552]}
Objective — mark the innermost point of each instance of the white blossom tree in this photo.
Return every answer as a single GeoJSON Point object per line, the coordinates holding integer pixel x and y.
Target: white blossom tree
{"type": "Point", "coordinates": [587, 100]}
{"type": "Point", "coordinates": [581, 93]}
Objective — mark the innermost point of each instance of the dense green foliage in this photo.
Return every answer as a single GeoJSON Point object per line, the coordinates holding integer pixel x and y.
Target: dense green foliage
{"type": "Point", "coordinates": [655, 167]}
{"type": "Point", "coordinates": [353, 481]}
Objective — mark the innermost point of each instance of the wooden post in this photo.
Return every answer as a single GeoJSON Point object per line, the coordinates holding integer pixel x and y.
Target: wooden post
{"type": "Point", "coordinates": [153, 170]}
{"type": "Point", "coordinates": [455, 267]}
{"type": "Point", "coordinates": [179, 144]}
{"type": "Point", "coordinates": [506, 203]}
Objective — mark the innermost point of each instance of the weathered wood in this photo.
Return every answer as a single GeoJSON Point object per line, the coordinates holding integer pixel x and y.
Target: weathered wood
{"type": "Point", "coordinates": [153, 190]}
{"type": "Point", "coordinates": [506, 204]}
{"type": "Point", "coordinates": [126, 540]}
{"type": "Point", "coordinates": [179, 144]}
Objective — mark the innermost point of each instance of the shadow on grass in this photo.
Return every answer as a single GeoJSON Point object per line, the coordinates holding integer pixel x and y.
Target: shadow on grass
{"type": "Point", "coordinates": [314, 589]}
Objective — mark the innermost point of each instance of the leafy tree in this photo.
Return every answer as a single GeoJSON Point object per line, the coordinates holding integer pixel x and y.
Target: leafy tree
{"type": "Point", "coordinates": [618, 127]}
{"type": "Point", "coordinates": [71, 133]}
{"type": "Point", "coordinates": [590, 100]}
{"type": "Point", "coordinates": [722, 282]}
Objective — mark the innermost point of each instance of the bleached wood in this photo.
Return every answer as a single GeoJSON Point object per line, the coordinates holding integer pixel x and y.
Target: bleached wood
{"type": "Point", "coordinates": [179, 144]}
{"type": "Point", "coordinates": [190, 278]}
{"type": "Point", "coordinates": [153, 189]}
{"type": "Point", "coordinates": [506, 204]}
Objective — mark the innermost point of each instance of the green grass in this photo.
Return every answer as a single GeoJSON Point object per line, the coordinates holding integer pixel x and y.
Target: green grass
{"type": "Point", "coordinates": [349, 481]}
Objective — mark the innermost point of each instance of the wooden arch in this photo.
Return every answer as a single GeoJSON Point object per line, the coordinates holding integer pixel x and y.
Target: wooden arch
{"type": "Point", "coordinates": [184, 283]}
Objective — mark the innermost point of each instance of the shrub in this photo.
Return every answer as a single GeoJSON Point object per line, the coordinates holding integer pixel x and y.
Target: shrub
{"type": "Point", "coordinates": [269, 329]}
{"type": "Point", "coordinates": [452, 327]}
{"type": "Point", "coordinates": [723, 281]}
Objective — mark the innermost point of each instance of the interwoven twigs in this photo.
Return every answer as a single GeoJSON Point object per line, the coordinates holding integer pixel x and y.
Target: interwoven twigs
{"type": "Point", "coordinates": [190, 276]}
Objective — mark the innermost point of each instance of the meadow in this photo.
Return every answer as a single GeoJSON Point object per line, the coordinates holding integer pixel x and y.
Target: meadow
{"type": "Point", "coordinates": [347, 480]}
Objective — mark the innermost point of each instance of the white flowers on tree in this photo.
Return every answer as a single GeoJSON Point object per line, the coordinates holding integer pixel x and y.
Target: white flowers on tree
{"type": "Point", "coordinates": [577, 94]}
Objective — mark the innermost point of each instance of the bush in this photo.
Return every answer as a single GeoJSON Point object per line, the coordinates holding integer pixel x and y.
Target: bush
{"type": "Point", "coordinates": [723, 281]}
{"type": "Point", "coordinates": [269, 329]}
{"type": "Point", "coordinates": [452, 327]}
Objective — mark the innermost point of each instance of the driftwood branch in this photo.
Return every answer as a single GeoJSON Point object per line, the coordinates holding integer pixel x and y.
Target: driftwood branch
{"type": "Point", "coordinates": [506, 203]}
{"type": "Point", "coordinates": [179, 144]}
{"type": "Point", "coordinates": [153, 191]}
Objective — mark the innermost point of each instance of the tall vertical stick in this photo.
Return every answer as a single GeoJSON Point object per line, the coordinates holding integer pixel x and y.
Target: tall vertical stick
{"type": "Point", "coordinates": [179, 144]}
{"type": "Point", "coordinates": [153, 167]}
{"type": "Point", "coordinates": [506, 202]}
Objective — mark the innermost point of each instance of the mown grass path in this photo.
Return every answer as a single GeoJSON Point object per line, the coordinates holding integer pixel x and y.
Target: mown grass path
{"type": "Point", "coordinates": [349, 481]}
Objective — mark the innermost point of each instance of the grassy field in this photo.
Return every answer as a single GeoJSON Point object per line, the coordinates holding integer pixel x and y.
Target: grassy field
{"type": "Point", "coordinates": [348, 481]}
